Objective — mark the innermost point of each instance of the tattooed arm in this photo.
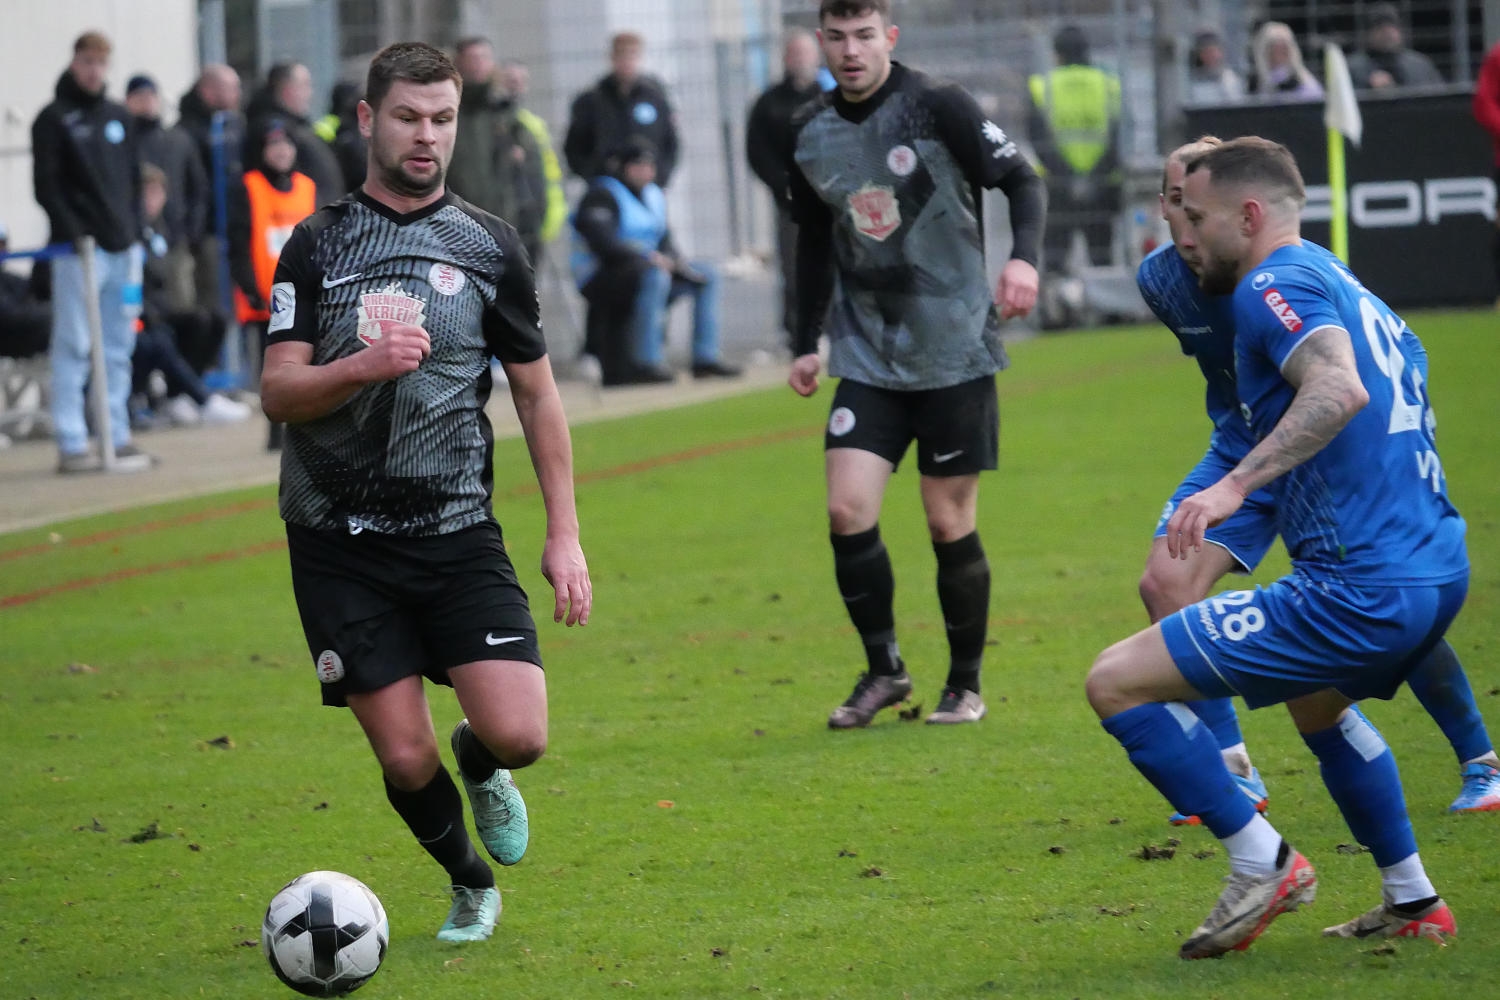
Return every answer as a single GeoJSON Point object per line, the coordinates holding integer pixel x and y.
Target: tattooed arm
{"type": "Point", "coordinates": [1329, 393]}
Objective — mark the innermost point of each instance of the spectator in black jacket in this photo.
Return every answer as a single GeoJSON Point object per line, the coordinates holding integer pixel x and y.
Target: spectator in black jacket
{"type": "Point", "coordinates": [624, 103]}
{"type": "Point", "coordinates": [768, 145]}
{"type": "Point", "coordinates": [287, 97]}
{"type": "Point", "coordinates": [1385, 61]}
{"type": "Point", "coordinates": [25, 319]}
{"type": "Point", "coordinates": [185, 216]}
{"type": "Point", "coordinates": [210, 109]}
{"type": "Point", "coordinates": [86, 175]}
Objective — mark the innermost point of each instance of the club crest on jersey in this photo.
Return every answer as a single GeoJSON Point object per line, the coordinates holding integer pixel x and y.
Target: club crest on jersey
{"type": "Point", "coordinates": [445, 279]}
{"type": "Point", "coordinates": [1283, 310]}
{"type": "Point", "coordinates": [390, 304]}
{"type": "Point", "coordinates": [901, 160]}
{"type": "Point", "coordinates": [875, 211]}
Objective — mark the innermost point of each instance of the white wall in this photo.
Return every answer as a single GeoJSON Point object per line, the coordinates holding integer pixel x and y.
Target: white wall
{"type": "Point", "coordinates": [157, 37]}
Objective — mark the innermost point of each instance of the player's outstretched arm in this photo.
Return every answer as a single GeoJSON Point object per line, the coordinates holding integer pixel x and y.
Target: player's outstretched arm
{"type": "Point", "coordinates": [293, 389]}
{"type": "Point", "coordinates": [1329, 393]}
{"type": "Point", "coordinates": [540, 410]}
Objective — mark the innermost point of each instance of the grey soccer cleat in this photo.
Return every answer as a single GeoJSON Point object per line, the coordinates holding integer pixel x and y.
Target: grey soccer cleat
{"type": "Point", "coordinates": [872, 692]}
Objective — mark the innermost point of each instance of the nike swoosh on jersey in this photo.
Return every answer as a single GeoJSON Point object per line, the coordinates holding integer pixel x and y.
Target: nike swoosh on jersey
{"type": "Point", "coordinates": [335, 282]}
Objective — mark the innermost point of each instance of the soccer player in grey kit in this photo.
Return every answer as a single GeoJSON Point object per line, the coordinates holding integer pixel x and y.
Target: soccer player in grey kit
{"type": "Point", "coordinates": [887, 178]}
{"type": "Point", "coordinates": [386, 309]}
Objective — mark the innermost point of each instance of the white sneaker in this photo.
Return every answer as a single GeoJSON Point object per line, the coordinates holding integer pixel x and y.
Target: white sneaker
{"type": "Point", "coordinates": [957, 706]}
{"type": "Point", "coordinates": [1248, 904]}
{"type": "Point", "coordinates": [218, 409]}
{"type": "Point", "coordinates": [182, 411]}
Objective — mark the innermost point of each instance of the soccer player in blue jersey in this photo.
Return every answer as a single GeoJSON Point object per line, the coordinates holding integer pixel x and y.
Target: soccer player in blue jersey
{"type": "Point", "coordinates": [1204, 325]}
{"type": "Point", "coordinates": [1339, 410]}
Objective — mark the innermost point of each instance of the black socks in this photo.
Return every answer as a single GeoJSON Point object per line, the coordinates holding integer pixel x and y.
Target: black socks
{"type": "Point", "coordinates": [435, 815]}
{"type": "Point", "coordinates": [863, 569]}
{"type": "Point", "coordinates": [963, 586]}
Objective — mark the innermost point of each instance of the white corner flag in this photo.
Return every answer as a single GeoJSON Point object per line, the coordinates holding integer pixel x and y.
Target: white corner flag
{"type": "Point", "coordinates": [1341, 110]}
{"type": "Point", "coordinates": [1342, 119]}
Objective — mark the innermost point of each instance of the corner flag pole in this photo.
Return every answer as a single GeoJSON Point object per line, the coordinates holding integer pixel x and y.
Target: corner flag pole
{"type": "Point", "coordinates": [1341, 117]}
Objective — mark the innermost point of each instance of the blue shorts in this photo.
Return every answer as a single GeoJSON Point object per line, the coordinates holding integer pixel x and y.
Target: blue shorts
{"type": "Point", "coordinates": [1300, 635]}
{"type": "Point", "coordinates": [1247, 536]}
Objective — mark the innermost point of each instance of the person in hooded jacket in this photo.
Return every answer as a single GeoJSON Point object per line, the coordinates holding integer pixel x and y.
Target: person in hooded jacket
{"type": "Point", "coordinates": [86, 177]}
{"type": "Point", "coordinates": [271, 199]}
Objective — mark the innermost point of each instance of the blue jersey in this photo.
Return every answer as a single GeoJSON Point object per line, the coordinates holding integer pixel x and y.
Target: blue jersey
{"type": "Point", "coordinates": [1204, 326]}
{"type": "Point", "coordinates": [1372, 507]}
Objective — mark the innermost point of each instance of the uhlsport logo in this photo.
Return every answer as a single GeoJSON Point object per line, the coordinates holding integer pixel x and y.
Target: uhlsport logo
{"type": "Point", "coordinates": [1261, 280]}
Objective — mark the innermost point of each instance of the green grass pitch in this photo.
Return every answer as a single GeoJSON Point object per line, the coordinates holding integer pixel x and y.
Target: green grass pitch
{"type": "Point", "coordinates": [696, 830]}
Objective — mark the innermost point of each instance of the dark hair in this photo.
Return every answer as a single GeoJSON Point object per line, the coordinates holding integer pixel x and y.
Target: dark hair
{"type": "Point", "coordinates": [1252, 160]}
{"type": "Point", "coordinates": [468, 42]}
{"type": "Point", "coordinates": [854, 8]}
{"type": "Point", "coordinates": [1071, 44]}
{"type": "Point", "coordinates": [278, 75]}
{"type": "Point", "coordinates": [414, 62]}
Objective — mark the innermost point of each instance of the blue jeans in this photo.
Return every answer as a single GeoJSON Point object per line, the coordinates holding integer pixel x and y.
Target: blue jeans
{"type": "Point", "coordinates": [113, 272]}
{"type": "Point", "coordinates": [659, 289]}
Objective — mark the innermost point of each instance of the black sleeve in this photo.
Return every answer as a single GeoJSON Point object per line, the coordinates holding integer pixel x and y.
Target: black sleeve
{"type": "Point", "coordinates": [513, 322]}
{"type": "Point", "coordinates": [598, 222]}
{"type": "Point", "coordinates": [666, 156]}
{"type": "Point", "coordinates": [241, 267]}
{"type": "Point", "coordinates": [814, 257]}
{"type": "Point", "coordinates": [294, 289]}
{"type": "Point", "coordinates": [49, 180]}
{"type": "Point", "coordinates": [761, 149]}
{"type": "Point", "coordinates": [578, 145]}
{"type": "Point", "coordinates": [991, 159]}
{"type": "Point", "coordinates": [197, 195]}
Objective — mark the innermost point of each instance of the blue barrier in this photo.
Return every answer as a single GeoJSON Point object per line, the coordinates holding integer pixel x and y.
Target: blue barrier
{"type": "Point", "coordinates": [41, 253]}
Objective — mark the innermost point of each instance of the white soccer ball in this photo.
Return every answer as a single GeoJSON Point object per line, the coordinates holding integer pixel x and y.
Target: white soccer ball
{"type": "Point", "coordinates": [325, 934]}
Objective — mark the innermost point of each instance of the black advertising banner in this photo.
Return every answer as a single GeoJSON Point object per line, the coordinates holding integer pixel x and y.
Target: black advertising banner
{"type": "Point", "coordinates": [1421, 191]}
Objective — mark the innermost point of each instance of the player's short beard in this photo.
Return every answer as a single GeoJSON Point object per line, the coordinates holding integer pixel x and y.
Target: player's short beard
{"type": "Point", "coordinates": [1217, 276]}
{"type": "Point", "coordinates": [397, 180]}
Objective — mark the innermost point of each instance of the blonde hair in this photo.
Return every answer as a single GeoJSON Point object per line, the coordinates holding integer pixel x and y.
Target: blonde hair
{"type": "Point", "coordinates": [1276, 31]}
{"type": "Point", "coordinates": [1187, 151]}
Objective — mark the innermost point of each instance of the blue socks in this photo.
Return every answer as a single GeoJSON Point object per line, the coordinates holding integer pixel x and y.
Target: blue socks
{"type": "Point", "coordinates": [1443, 689]}
{"type": "Point", "coordinates": [1219, 716]}
{"type": "Point", "coordinates": [1360, 773]}
{"type": "Point", "coordinates": [1179, 756]}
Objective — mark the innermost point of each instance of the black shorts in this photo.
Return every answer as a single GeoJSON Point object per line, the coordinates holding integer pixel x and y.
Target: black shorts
{"type": "Point", "coordinates": [377, 608]}
{"type": "Point", "coordinates": [957, 428]}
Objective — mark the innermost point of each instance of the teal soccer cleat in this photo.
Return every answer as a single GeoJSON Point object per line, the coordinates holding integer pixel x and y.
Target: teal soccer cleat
{"type": "Point", "coordinates": [472, 916]}
{"type": "Point", "coordinates": [499, 810]}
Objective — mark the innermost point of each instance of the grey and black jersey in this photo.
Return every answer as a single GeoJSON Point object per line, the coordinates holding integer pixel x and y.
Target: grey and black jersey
{"type": "Point", "coordinates": [413, 455]}
{"type": "Point", "coordinates": [895, 182]}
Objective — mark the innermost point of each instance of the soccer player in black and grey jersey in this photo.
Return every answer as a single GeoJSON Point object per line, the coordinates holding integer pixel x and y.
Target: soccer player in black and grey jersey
{"type": "Point", "coordinates": [888, 172]}
{"type": "Point", "coordinates": [387, 307]}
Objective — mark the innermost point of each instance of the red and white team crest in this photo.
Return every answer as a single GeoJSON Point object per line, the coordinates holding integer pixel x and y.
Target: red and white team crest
{"type": "Point", "coordinates": [1283, 310]}
{"type": "Point", "coordinates": [330, 667]}
{"type": "Point", "coordinates": [445, 279]}
{"type": "Point", "coordinates": [901, 160]}
{"type": "Point", "coordinates": [841, 421]}
{"type": "Point", "coordinates": [875, 211]}
{"type": "Point", "coordinates": [390, 304]}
